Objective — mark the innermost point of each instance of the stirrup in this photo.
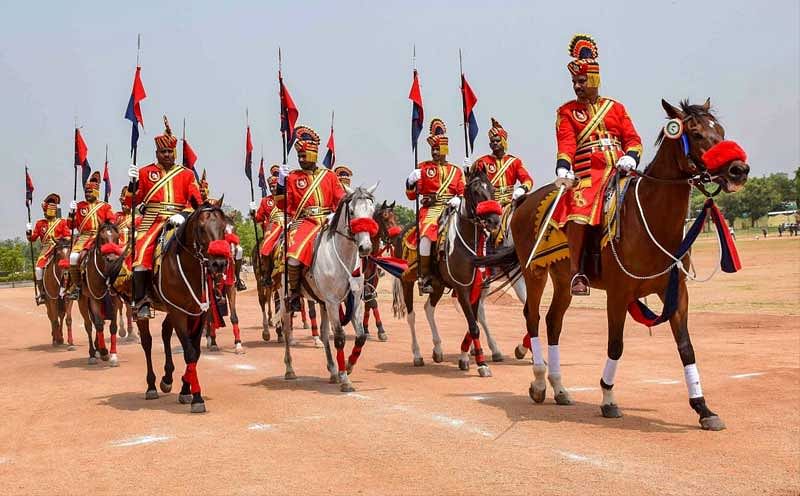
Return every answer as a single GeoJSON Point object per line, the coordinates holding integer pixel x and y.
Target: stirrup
{"type": "Point", "coordinates": [40, 300]}
{"type": "Point", "coordinates": [425, 286]}
{"type": "Point", "coordinates": [144, 311]}
{"type": "Point", "coordinates": [240, 286]}
{"type": "Point", "coordinates": [74, 294]}
{"type": "Point", "coordinates": [576, 279]}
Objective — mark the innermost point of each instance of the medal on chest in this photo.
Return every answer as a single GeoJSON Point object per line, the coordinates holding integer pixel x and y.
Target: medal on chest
{"type": "Point", "coordinates": [492, 168]}
{"type": "Point", "coordinates": [154, 176]}
{"type": "Point", "coordinates": [431, 173]}
{"type": "Point", "coordinates": [302, 183]}
{"type": "Point", "coordinates": [580, 115]}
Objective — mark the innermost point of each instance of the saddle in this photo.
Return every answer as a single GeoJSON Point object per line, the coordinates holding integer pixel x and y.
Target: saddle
{"type": "Point", "coordinates": [409, 243]}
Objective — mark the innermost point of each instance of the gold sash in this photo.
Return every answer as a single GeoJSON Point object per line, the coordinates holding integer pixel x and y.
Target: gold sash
{"type": "Point", "coordinates": [313, 186]}
{"type": "Point", "coordinates": [501, 171]}
{"type": "Point", "coordinates": [596, 120]}
{"type": "Point", "coordinates": [446, 181]}
{"type": "Point", "coordinates": [159, 185]}
{"type": "Point", "coordinates": [90, 215]}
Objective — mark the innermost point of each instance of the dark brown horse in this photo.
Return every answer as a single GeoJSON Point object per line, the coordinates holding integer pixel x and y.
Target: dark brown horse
{"type": "Point", "coordinates": [98, 302]}
{"type": "Point", "coordinates": [659, 199]}
{"type": "Point", "coordinates": [468, 234]}
{"type": "Point", "coordinates": [194, 259]}
{"type": "Point", "coordinates": [58, 307]}
{"type": "Point", "coordinates": [382, 245]}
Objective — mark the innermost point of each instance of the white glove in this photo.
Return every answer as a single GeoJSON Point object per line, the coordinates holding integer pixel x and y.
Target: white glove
{"type": "Point", "coordinates": [467, 163]}
{"type": "Point", "coordinates": [252, 207]}
{"type": "Point", "coordinates": [29, 227]}
{"type": "Point", "coordinates": [133, 171]}
{"type": "Point", "coordinates": [626, 163]}
{"type": "Point", "coordinates": [454, 202]}
{"type": "Point", "coordinates": [564, 173]}
{"type": "Point", "coordinates": [177, 220]}
{"type": "Point", "coordinates": [415, 176]}
{"type": "Point", "coordinates": [518, 192]}
{"type": "Point", "coordinates": [73, 205]}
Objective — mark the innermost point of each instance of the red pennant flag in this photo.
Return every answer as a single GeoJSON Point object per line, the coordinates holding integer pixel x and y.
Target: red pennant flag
{"type": "Point", "coordinates": [189, 157]}
{"type": "Point", "coordinates": [28, 188]}
{"type": "Point", "coordinates": [289, 112]}
{"type": "Point", "coordinates": [106, 182]}
{"type": "Point", "coordinates": [82, 155]}
{"type": "Point", "coordinates": [417, 113]}
{"type": "Point", "coordinates": [248, 159]}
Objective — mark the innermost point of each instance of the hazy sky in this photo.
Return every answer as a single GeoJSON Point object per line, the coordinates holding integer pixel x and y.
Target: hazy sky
{"type": "Point", "coordinates": [208, 61]}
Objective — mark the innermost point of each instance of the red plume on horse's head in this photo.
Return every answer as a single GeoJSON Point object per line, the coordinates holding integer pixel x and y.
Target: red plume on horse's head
{"type": "Point", "coordinates": [722, 154]}
{"type": "Point", "coordinates": [489, 207]}
{"type": "Point", "coordinates": [364, 224]}
{"type": "Point", "coordinates": [63, 263]}
{"type": "Point", "coordinates": [218, 248]}
{"type": "Point", "coordinates": [394, 231]}
{"type": "Point", "coordinates": [111, 249]}
{"type": "Point", "coordinates": [232, 238]}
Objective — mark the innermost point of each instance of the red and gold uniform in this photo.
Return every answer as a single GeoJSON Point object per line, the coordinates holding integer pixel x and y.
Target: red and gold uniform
{"type": "Point", "coordinates": [591, 138]}
{"type": "Point", "coordinates": [270, 217]}
{"type": "Point", "coordinates": [310, 196]}
{"type": "Point", "coordinates": [89, 216]}
{"type": "Point", "coordinates": [49, 230]}
{"type": "Point", "coordinates": [504, 173]}
{"type": "Point", "coordinates": [162, 194]}
{"type": "Point", "coordinates": [437, 184]}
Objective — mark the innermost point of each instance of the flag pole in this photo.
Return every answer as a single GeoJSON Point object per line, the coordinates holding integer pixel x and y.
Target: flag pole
{"type": "Point", "coordinates": [132, 185]}
{"type": "Point", "coordinates": [416, 161]}
{"type": "Point", "coordinates": [252, 194]}
{"type": "Point", "coordinates": [463, 106]}
{"type": "Point", "coordinates": [284, 145]}
{"type": "Point", "coordinates": [30, 243]}
{"type": "Point", "coordinates": [105, 169]}
{"type": "Point", "coordinates": [183, 147]}
{"type": "Point", "coordinates": [74, 190]}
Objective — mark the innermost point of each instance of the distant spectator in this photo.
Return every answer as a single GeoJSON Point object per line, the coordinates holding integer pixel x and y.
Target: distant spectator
{"type": "Point", "coordinates": [764, 232]}
{"type": "Point", "coordinates": [780, 230]}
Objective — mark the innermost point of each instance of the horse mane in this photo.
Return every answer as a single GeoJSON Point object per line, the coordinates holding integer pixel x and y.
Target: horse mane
{"type": "Point", "coordinates": [691, 111]}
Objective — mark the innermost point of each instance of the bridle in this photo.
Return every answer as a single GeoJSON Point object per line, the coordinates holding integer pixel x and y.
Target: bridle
{"type": "Point", "coordinates": [105, 276]}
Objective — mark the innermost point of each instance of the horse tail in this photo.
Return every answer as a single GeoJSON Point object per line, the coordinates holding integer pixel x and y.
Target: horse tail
{"type": "Point", "coordinates": [398, 302]}
{"type": "Point", "coordinates": [503, 258]}
{"type": "Point", "coordinates": [349, 305]}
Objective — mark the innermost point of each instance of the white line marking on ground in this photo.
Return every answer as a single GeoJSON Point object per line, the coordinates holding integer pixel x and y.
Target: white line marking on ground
{"type": "Point", "coordinates": [139, 440]}
{"type": "Point", "coordinates": [260, 427]}
{"type": "Point", "coordinates": [582, 388]}
{"type": "Point", "coordinates": [211, 357]}
{"type": "Point", "coordinates": [747, 376]}
{"type": "Point", "coordinates": [575, 457]}
{"type": "Point", "coordinates": [478, 398]}
{"type": "Point", "coordinates": [459, 424]}
{"type": "Point", "coordinates": [243, 366]}
{"type": "Point", "coordinates": [358, 396]}
{"type": "Point", "coordinates": [663, 382]}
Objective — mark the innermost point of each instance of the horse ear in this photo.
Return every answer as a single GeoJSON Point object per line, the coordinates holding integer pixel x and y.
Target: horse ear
{"type": "Point", "coordinates": [371, 189]}
{"type": "Point", "coordinates": [672, 112]}
{"type": "Point", "coordinates": [707, 105]}
{"type": "Point", "coordinates": [221, 200]}
{"type": "Point", "coordinates": [383, 205]}
{"type": "Point", "coordinates": [393, 204]}
{"type": "Point", "coordinates": [348, 189]}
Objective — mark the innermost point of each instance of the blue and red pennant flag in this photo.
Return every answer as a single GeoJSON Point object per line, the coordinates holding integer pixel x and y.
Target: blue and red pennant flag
{"type": "Point", "coordinates": [262, 180]}
{"type": "Point", "coordinates": [134, 111]}
{"type": "Point", "coordinates": [248, 158]}
{"type": "Point", "coordinates": [28, 188]}
{"type": "Point", "coordinates": [189, 158]}
{"type": "Point", "coordinates": [417, 113]}
{"type": "Point", "coordinates": [82, 156]}
{"type": "Point", "coordinates": [468, 101]}
{"type": "Point", "coordinates": [289, 113]}
{"type": "Point", "coordinates": [330, 155]}
{"type": "Point", "coordinates": [106, 182]}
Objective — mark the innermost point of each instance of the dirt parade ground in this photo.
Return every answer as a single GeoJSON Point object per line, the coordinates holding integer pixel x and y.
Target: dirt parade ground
{"type": "Point", "coordinates": [73, 428]}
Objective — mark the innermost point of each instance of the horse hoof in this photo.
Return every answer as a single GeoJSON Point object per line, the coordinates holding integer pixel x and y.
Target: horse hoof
{"type": "Point", "coordinates": [165, 387]}
{"type": "Point", "coordinates": [497, 357]}
{"type": "Point", "coordinates": [280, 338]}
{"type": "Point", "coordinates": [92, 361]}
{"type": "Point", "coordinates": [151, 395]}
{"type": "Point", "coordinates": [520, 352]}
{"type": "Point", "coordinates": [712, 423]}
{"type": "Point", "coordinates": [198, 408]}
{"type": "Point", "coordinates": [382, 336]}
{"type": "Point", "coordinates": [611, 410]}
{"type": "Point", "coordinates": [438, 357]}
{"type": "Point", "coordinates": [104, 357]}
{"type": "Point", "coordinates": [240, 349]}
{"type": "Point", "coordinates": [290, 376]}
{"type": "Point", "coordinates": [346, 387]}
{"type": "Point", "coordinates": [317, 342]}
{"type": "Point", "coordinates": [71, 347]}
{"type": "Point", "coordinates": [334, 379]}
{"type": "Point", "coordinates": [265, 336]}
{"type": "Point", "coordinates": [113, 361]}
{"type": "Point", "coordinates": [185, 399]}
{"type": "Point", "coordinates": [483, 371]}
{"type": "Point", "coordinates": [562, 398]}
{"type": "Point", "coordinates": [214, 348]}
{"type": "Point", "coordinates": [305, 325]}
{"type": "Point", "coordinates": [463, 364]}
{"type": "Point", "coordinates": [292, 342]}
{"type": "Point", "coordinates": [537, 395]}
{"type": "Point", "coordinates": [419, 362]}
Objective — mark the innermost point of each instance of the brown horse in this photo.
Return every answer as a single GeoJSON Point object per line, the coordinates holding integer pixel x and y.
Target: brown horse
{"type": "Point", "coordinates": [632, 267]}
{"type": "Point", "coordinates": [59, 309]}
{"type": "Point", "coordinates": [194, 260]}
{"type": "Point", "coordinates": [388, 229]}
{"type": "Point", "coordinates": [468, 233]}
{"type": "Point", "coordinates": [98, 301]}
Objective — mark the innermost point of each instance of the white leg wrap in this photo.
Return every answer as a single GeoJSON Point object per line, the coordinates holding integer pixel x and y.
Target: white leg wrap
{"type": "Point", "coordinates": [294, 262]}
{"type": "Point", "coordinates": [238, 252]}
{"type": "Point", "coordinates": [610, 371]}
{"type": "Point", "coordinates": [425, 247]}
{"type": "Point", "coordinates": [73, 258]}
{"type": "Point", "coordinates": [39, 273]}
{"type": "Point", "coordinates": [139, 268]}
{"type": "Point", "coordinates": [553, 359]}
{"type": "Point", "coordinates": [692, 381]}
{"type": "Point", "coordinates": [536, 348]}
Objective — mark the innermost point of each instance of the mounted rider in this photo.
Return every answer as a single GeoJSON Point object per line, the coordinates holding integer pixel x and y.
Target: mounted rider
{"type": "Point", "coordinates": [234, 271]}
{"type": "Point", "coordinates": [344, 174]}
{"type": "Point", "coordinates": [312, 196]}
{"type": "Point", "coordinates": [86, 216]}
{"type": "Point", "coordinates": [48, 231]}
{"type": "Point", "coordinates": [503, 169]}
{"type": "Point", "coordinates": [123, 218]}
{"type": "Point", "coordinates": [164, 190]}
{"type": "Point", "coordinates": [438, 184]}
{"type": "Point", "coordinates": [269, 216]}
{"type": "Point", "coordinates": [595, 137]}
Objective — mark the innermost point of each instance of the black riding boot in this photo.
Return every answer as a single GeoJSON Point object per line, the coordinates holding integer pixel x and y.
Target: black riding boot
{"type": "Point", "coordinates": [576, 234]}
{"type": "Point", "coordinates": [240, 286]}
{"type": "Point", "coordinates": [295, 271]}
{"type": "Point", "coordinates": [425, 286]}
{"type": "Point", "coordinates": [40, 297]}
{"type": "Point", "coordinates": [74, 290]}
{"type": "Point", "coordinates": [141, 281]}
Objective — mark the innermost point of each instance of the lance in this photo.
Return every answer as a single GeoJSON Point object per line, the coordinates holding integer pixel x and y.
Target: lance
{"type": "Point", "coordinates": [416, 161]}
{"type": "Point", "coordinates": [30, 243]}
{"type": "Point", "coordinates": [249, 157]}
{"type": "Point", "coordinates": [74, 190]}
{"type": "Point", "coordinates": [285, 136]}
{"type": "Point", "coordinates": [463, 106]}
{"type": "Point", "coordinates": [132, 187]}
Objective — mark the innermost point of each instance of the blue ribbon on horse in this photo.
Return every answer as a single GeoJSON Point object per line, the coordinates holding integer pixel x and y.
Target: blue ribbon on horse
{"type": "Point", "coordinates": [729, 262]}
